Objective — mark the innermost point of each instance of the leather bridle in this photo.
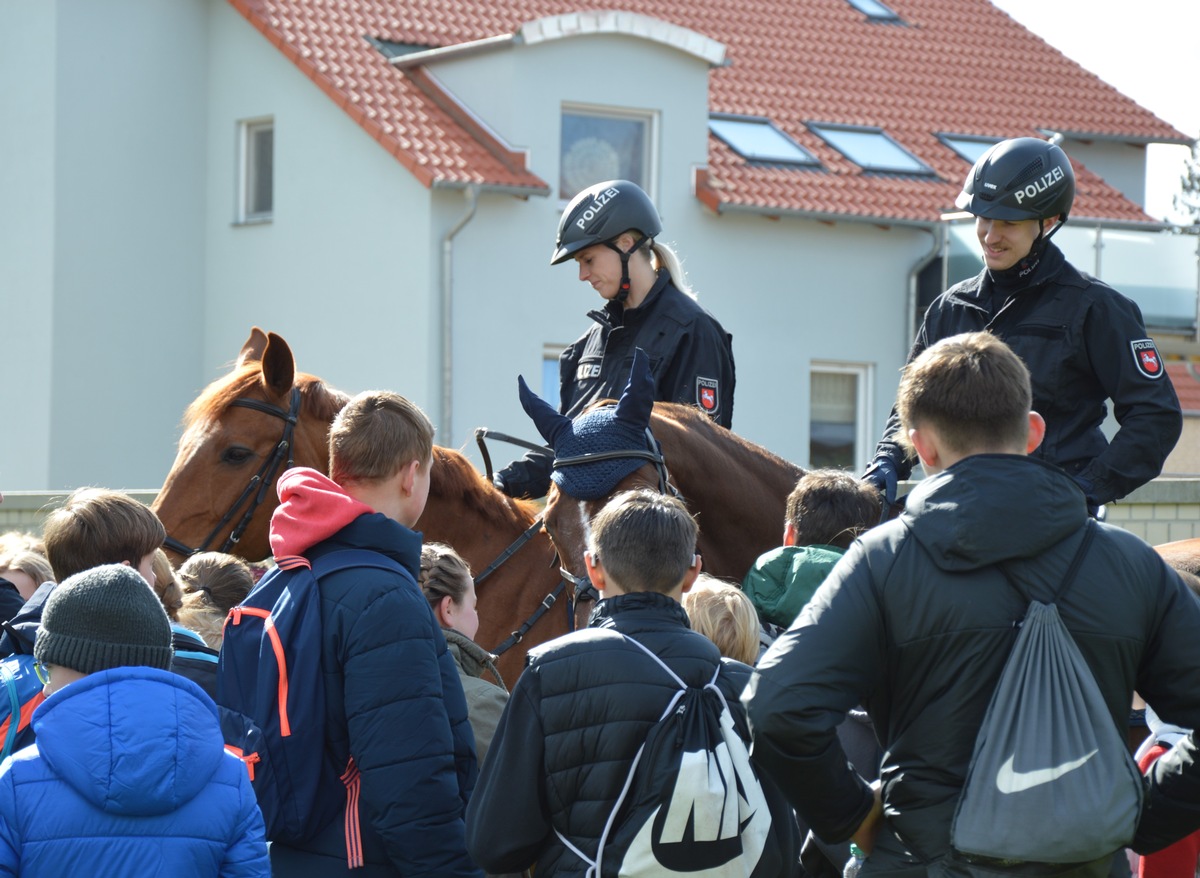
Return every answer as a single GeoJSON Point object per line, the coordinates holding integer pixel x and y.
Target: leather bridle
{"type": "Point", "coordinates": [256, 490]}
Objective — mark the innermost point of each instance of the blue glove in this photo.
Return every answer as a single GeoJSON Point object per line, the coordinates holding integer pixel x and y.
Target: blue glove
{"type": "Point", "coordinates": [882, 474]}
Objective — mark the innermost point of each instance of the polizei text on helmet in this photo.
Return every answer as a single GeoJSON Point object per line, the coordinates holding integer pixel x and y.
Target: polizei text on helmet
{"type": "Point", "coordinates": [1032, 190]}
{"type": "Point", "coordinates": [594, 208]}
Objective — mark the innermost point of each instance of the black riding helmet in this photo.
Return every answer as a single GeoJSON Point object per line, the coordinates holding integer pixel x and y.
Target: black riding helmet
{"type": "Point", "coordinates": [599, 215]}
{"type": "Point", "coordinates": [1020, 179]}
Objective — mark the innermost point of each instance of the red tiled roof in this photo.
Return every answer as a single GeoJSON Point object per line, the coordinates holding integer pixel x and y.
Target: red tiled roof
{"type": "Point", "coordinates": [1185, 375]}
{"type": "Point", "coordinates": [954, 66]}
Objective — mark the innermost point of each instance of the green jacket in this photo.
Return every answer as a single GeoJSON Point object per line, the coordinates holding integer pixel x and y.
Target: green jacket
{"type": "Point", "coordinates": [485, 700]}
{"type": "Point", "coordinates": [783, 580]}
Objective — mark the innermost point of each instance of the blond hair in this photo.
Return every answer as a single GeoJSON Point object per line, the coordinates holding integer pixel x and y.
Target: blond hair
{"type": "Point", "coordinates": [725, 615]}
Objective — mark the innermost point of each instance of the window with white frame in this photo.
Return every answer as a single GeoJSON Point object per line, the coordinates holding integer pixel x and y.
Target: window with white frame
{"type": "Point", "coordinates": [604, 144]}
{"type": "Point", "coordinates": [839, 406]}
{"type": "Point", "coordinates": [256, 198]}
{"type": "Point", "coordinates": [550, 382]}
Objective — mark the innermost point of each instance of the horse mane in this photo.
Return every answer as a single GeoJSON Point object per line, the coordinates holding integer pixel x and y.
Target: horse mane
{"type": "Point", "coordinates": [454, 477]}
{"type": "Point", "coordinates": [719, 444]}
{"type": "Point", "coordinates": [323, 401]}
{"type": "Point", "coordinates": [715, 444]}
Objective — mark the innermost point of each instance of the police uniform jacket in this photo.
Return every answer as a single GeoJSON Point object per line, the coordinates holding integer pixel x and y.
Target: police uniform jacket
{"type": "Point", "coordinates": [916, 623]}
{"type": "Point", "coordinates": [1084, 343]}
{"type": "Point", "coordinates": [691, 358]}
{"type": "Point", "coordinates": [575, 721]}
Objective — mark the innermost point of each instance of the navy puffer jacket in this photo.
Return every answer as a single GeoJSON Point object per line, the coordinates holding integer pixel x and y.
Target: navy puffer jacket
{"type": "Point", "coordinates": [392, 695]}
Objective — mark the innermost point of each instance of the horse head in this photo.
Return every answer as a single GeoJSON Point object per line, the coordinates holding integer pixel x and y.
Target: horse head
{"type": "Point", "coordinates": [239, 435]}
{"type": "Point", "coordinates": [607, 449]}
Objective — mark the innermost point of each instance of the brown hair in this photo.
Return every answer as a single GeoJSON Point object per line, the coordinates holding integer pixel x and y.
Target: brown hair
{"type": "Point", "coordinates": [375, 435]}
{"type": "Point", "coordinates": [645, 540]}
{"type": "Point", "coordinates": [165, 585]}
{"type": "Point", "coordinates": [724, 614]}
{"type": "Point", "coordinates": [213, 584]}
{"type": "Point", "coordinates": [444, 573]}
{"type": "Point", "coordinates": [97, 526]}
{"type": "Point", "coordinates": [223, 580]}
{"type": "Point", "coordinates": [972, 389]}
{"type": "Point", "coordinates": [831, 507]}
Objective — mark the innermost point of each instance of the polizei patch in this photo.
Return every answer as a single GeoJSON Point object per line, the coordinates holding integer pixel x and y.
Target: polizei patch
{"type": "Point", "coordinates": [707, 396]}
{"type": "Point", "coordinates": [1146, 358]}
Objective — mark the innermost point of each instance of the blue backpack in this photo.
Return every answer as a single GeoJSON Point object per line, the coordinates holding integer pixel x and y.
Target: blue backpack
{"type": "Point", "coordinates": [19, 698]}
{"type": "Point", "coordinates": [270, 687]}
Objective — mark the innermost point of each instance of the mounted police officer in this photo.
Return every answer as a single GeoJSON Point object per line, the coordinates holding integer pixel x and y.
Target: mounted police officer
{"type": "Point", "coordinates": [1083, 342]}
{"type": "Point", "coordinates": [609, 230]}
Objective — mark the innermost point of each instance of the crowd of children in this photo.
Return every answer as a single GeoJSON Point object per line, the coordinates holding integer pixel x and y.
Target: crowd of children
{"type": "Point", "coordinates": [446, 773]}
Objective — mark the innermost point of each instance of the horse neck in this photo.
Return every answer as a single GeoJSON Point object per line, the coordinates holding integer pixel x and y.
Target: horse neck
{"type": "Point", "coordinates": [727, 479]}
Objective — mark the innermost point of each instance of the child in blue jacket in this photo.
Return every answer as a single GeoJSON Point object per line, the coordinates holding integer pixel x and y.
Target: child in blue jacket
{"type": "Point", "coordinates": [129, 776]}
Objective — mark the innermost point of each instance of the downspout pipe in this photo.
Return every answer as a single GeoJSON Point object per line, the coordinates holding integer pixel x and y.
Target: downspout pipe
{"type": "Point", "coordinates": [447, 415]}
{"type": "Point", "coordinates": [940, 239]}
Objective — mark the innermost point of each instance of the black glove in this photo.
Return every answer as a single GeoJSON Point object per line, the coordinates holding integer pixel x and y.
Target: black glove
{"type": "Point", "coordinates": [528, 476]}
{"type": "Point", "coordinates": [882, 474]}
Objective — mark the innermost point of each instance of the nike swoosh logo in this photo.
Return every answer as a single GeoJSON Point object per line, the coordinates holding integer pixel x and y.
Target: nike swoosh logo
{"type": "Point", "coordinates": [1009, 780]}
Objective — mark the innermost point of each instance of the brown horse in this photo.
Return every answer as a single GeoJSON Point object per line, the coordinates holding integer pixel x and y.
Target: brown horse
{"type": "Point", "coordinates": [248, 426]}
{"type": "Point", "coordinates": [737, 490]}
{"type": "Point", "coordinates": [1183, 555]}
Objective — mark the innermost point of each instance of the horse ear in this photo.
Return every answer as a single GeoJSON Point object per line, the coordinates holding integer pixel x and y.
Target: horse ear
{"type": "Point", "coordinates": [637, 399]}
{"type": "Point", "coordinates": [278, 366]}
{"type": "Point", "coordinates": [549, 422]}
{"type": "Point", "coordinates": [252, 350]}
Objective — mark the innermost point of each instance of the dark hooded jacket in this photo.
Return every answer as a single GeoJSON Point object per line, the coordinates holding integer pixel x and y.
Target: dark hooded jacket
{"type": "Point", "coordinates": [575, 721]}
{"type": "Point", "coordinates": [393, 698]}
{"type": "Point", "coordinates": [916, 623]}
{"type": "Point", "coordinates": [1081, 341]}
{"type": "Point", "coordinates": [691, 358]}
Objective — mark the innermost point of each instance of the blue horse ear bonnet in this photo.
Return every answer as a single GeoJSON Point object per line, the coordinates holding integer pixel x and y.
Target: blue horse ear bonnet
{"type": "Point", "coordinates": [620, 427]}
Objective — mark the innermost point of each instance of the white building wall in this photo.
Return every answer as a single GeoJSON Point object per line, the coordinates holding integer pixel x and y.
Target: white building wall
{"type": "Point", "coordinates": [343, 270]}
{"type": "Point", "coordinates": [115, 232]}
{"type": "Point", "coordinates": [1122, 165]}
{"type": "Point", "coordinates": [27, 186]}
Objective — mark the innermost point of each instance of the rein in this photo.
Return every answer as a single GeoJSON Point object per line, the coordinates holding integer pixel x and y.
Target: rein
{"type": "Point", "coordinates": [547, 602]}
{"type": "Point", "coordinates": [259, 483]}
{"type": "Point", "coordinates": [481, 434]}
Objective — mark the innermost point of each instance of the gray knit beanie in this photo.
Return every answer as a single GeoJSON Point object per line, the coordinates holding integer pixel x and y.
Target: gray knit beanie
{"type": "Point", "coordinates": [106, 617]}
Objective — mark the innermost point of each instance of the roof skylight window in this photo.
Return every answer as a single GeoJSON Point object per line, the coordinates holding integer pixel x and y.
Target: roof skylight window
{"type": "Point", "coordinates": [758, 140]}
{"type": "Point", "coordinates": [968, 147]}
{"type": "Point", "coordinates": [871, 149]}
{"type": "Point", "coordinates": [874, 9]}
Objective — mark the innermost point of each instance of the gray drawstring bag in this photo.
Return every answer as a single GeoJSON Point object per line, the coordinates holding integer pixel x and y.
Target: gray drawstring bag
{"type": "Point", "coordinates": [1051, 779]}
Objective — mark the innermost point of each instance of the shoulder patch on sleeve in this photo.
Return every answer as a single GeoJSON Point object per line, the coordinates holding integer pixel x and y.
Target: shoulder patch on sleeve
{"type": "Point", "coordinates": [707, 397]}
{"type": "Point", "coordinates": [1146, 358]}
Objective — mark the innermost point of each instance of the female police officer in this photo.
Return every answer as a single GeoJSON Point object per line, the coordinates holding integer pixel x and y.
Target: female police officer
{"type": "Point", "coordinates": [1084, 343]}
{"type": "Point", "coordinates": [609, 230]}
